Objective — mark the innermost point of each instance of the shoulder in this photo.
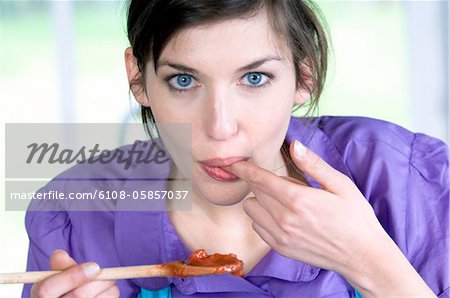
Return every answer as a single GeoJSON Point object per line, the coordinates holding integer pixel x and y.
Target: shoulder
{"type": "Point", "coordinates": [394, 168]}
{"type": "Point", "coordinates": [82, 202]}
{"type": "Point", "coordinates": [96, 184]}
{"type": "Point", "coordinates": [343, 131]}
{"type": "Point", "coordinates": [137, 160]}
{"type": "Point", "coordinates": [363, 141]}
{"type": "Point", "coordinates": [423, 153]}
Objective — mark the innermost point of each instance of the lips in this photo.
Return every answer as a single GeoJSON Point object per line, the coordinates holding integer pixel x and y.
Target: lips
{"type": "Point", "coordinates": [213, 167]}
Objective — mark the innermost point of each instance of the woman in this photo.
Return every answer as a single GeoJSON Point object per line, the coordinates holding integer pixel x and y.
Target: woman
{"type": "Point", "coordinates": [369, 216]}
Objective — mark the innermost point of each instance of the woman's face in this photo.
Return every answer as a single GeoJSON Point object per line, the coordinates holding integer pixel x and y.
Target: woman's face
{"type": "Point", "coordinates": [235, 83]}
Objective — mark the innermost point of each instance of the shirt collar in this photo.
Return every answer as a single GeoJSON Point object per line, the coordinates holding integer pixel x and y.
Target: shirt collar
{"type": "Point", "coordinates": [272, 265]}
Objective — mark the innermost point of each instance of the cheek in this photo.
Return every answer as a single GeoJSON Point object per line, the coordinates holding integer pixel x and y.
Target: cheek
{"type": "Point", "coordinates": [158, 99]}
{"type": "Point", "coordinates": [167, 107]}
{"type": "Point", "coordinates": [266, 136]}
{"type": "Point", "coordinates": [273, 131]}
{"type": "Point", "coordinates": [274, 112]}
{"type": "Point", "coordinates": [271, 121]}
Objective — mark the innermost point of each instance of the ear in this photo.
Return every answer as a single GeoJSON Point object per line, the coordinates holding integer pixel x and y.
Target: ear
{"type": "Point", "coordinates": [301, 96]}
{"type": "Point", "coordinates": [303, 93]}
{"type": "Point", "coordinates": [133, 75]}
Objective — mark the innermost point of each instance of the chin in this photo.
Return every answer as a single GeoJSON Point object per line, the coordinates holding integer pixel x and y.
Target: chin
{"type": "Point", "coordinates": [224, 195]}
{"type": "Point", "coordinates": [225, 201]}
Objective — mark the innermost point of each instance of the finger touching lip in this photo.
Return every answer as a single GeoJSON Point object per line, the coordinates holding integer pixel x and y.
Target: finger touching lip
{"type": "Point", "coordinates": [260, 179]}
{"type": "Point", "coordinates": [242, 169]}
{"type": "Point", "coordinates": [223, 162]}
{"type": "Point", "coordinates": [255, 175]}
{"type": "Point", "coordinates": [216, 168]}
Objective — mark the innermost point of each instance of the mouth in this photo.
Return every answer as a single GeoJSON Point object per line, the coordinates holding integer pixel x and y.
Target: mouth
{"type": "Point", "coordinates": [214, 168]}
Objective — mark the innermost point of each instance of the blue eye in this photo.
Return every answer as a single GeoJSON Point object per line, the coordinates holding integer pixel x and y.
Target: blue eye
{"type": "Point", "coordinates": [182, 81]}
{"type": "Point", "coordinates": [255, 79]}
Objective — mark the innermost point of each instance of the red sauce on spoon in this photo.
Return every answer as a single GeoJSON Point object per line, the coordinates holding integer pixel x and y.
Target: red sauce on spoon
{"type": "Point", "coordinates": [200, 263]}
{"type": "Point", "coordinates": [222, 263]}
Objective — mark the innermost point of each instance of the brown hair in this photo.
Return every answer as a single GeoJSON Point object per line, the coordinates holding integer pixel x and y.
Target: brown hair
{"type": "Point", "coordinates": [151, 24]}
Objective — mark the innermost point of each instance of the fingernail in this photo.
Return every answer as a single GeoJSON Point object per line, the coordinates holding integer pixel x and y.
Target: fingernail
{"type": "Point", "coordinates": [299, 149]}
{"type": "Point", "coordinates": [59, 251]}
{"type": "Point", "coordinates": [91, 269]}
{"type": "Point", "coordinates": [62, 253]}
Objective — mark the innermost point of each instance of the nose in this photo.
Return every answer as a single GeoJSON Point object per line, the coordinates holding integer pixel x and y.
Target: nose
{"type": "Point", "coordinates": [221, 117]}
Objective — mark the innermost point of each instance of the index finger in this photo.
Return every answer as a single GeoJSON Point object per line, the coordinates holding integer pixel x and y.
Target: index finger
{"type": "Point", "coordinates": [260, 178]}
{"type": "Point", "coordinates": [312, 164]}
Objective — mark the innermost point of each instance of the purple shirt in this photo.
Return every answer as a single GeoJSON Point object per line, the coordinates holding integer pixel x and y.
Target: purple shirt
{"type": "Point", "coordinates": [403, 175]}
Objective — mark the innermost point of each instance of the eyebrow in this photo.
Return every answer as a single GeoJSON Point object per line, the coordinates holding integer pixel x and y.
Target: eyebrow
{"type": "Point", "coordinates": [249, 66]}
{"type": "Point", "coordinates": [179, 67]}
{"type": "Point", "coordinates": [258, 63]}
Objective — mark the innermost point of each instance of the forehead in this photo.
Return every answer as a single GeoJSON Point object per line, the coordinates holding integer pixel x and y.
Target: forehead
{"type": "Point", "coordinates": [242, 39]}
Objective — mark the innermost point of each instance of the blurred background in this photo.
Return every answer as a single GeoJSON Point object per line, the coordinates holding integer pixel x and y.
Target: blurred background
{"type": "Point", "coordinates": [62, 61]}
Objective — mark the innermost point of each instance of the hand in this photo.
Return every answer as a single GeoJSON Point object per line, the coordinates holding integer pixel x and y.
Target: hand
{"type": "Point", "coordinates": [333, 228]}
{"type": "Point", "coordinates": [74, 280]}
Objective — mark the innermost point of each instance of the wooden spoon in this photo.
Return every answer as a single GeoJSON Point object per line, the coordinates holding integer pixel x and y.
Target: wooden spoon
{"type": "Point", "coordinates": [199, 263]}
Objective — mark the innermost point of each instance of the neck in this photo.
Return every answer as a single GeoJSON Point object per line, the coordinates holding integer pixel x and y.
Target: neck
{"type": "Point", "coordinates": [222, 229]}
{"type": "Point", "coordinates": [222, 217]}
{"type": "Point", "coordinates": [227, 218]}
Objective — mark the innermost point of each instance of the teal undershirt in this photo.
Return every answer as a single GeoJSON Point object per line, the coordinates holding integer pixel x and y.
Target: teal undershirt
{"type": "Point", "coordinates": [166, 293]}
{"type": "Point", "coordinates": [161, 293]}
